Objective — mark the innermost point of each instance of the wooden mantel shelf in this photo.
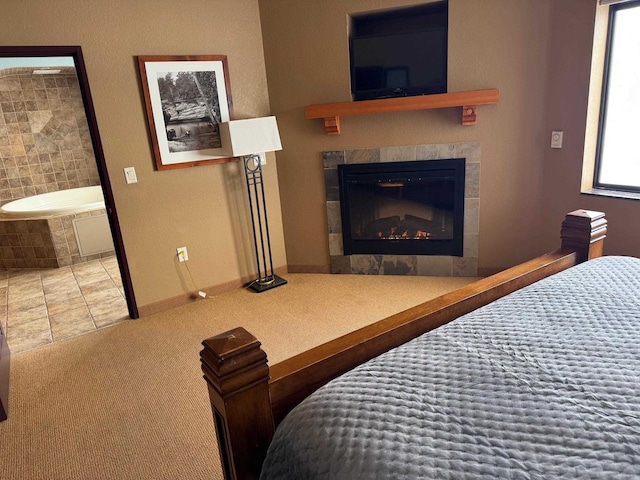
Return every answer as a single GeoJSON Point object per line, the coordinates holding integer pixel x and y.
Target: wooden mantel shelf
{"type": "Point", "coordinates": [467, 101]}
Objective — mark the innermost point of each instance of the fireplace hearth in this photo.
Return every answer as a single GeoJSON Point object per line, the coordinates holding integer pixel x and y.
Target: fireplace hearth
{"type": "Point", "coordinates": [403, 208]}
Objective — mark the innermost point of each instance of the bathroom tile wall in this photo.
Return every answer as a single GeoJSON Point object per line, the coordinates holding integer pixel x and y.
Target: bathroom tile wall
{"type": "Point", "coordinates": [26, 243]}
{"type": "Point", "coordinates": [64, 239]}
{"type": "Point", "coordinates": [45, 144]}
{"type": "Point", "coordinates": [43, 243]}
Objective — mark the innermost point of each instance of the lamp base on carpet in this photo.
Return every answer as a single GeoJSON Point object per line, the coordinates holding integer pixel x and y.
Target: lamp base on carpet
{"type": "Point", "coordinates": [266, 284]}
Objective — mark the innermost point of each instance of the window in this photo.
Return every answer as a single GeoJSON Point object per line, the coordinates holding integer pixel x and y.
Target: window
{"type": "Point", "coordinates": [618, 155]}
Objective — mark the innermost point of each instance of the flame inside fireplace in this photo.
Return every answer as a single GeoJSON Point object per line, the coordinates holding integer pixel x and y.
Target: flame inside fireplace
{"type": "Point", "coordinates": [394, 235]}
{"type": "Point", "coordinates": [406, 227]}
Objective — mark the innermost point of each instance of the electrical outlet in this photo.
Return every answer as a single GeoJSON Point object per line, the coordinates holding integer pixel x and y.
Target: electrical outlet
{"type": "Point", "coordinates": [556, 139]}
{"type": "Point", "coordinates": [183, 256]}
{"type": "Point", "coordinates": [259, 159]}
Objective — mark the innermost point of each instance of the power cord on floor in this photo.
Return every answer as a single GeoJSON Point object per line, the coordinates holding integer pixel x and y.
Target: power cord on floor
{"type": "Point", "coordinates": [201, 293]}
{"type": "Point", "coordinates": [251, 284]}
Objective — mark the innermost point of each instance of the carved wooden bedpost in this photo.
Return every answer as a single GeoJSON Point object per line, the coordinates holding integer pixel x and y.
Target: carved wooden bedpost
{"type": "Point", "coordinates": [237, 375]}
{"type": "Point", "coordinates": [584, 231]}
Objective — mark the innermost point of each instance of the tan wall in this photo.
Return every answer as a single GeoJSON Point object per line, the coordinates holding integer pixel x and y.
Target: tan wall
{"type": "Point", "coordinates": [537, 52]}
{"type": "Point", "coordinates": [203, 208]}
{"type": "Point", "coordinates": [492, 44]}
{"type": "Point", "coordinates": [570, 63]}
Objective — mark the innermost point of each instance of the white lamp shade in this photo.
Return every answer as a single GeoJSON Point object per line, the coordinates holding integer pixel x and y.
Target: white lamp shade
{"type": "Point", "coordinates": [250, 136]}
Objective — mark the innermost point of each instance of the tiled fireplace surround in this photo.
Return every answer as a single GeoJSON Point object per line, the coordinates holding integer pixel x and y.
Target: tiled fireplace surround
{"type": "Point", "coordinates": [423, 265]}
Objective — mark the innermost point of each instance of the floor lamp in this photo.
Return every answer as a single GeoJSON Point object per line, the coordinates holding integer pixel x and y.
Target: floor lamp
{"type": "Point", "coordinates": [249, 139]}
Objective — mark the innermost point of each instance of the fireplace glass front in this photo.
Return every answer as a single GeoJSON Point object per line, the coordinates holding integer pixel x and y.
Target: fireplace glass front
{"type": "Point", "coordinates": [403, 208]}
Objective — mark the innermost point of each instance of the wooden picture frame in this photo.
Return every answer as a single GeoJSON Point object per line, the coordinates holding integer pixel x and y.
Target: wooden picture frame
{"type": "Point", "coordinates": [186, 98]}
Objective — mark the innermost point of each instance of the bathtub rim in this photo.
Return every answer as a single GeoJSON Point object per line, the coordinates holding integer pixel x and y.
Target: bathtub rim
{"type": "Point", "coordinates": [92, 193]}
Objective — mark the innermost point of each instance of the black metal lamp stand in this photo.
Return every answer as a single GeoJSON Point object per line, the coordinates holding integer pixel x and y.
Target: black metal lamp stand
{"type": "Point", "coordinates": [260, 225]}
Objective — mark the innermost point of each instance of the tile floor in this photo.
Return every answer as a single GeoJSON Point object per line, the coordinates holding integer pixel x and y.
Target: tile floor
{"type": "Point", "coordinates": [38, 307]}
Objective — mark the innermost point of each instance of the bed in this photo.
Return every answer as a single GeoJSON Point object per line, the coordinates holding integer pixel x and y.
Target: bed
{"type": "Point", "coordinates": [539, 384]}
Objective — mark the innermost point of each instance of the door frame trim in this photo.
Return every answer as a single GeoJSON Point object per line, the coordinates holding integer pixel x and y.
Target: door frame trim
{"type": "Point", "coordinates": [76, 53]}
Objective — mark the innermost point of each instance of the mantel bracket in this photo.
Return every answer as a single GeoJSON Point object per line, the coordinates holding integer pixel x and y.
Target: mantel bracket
{"type": "Point", "coordinates": [469, 113]}
{"type": "Point", "coordinates": [332, 125]}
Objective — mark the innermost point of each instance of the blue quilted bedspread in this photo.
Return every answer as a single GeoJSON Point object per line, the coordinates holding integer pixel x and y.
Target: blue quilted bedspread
{"type": "Point", "coordinates": [542, 384]}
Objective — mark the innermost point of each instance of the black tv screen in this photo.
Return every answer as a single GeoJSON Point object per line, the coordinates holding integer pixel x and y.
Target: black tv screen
{"type": "Point", "coordinates": [399, 64]}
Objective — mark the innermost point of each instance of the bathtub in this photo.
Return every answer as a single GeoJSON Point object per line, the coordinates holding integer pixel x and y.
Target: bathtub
{"type": "Point", "coordinates": [64, 202]}
{"type": "Point", "coordinates": [55, 229]}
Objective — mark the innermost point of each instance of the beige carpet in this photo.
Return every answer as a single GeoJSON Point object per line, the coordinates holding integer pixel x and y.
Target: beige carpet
{"type": "Point", "coordinates": [129, 401]}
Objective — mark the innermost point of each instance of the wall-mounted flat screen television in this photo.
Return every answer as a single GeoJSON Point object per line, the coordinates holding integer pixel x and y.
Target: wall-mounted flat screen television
{"type": "Point", "coordinates": [399, 53]}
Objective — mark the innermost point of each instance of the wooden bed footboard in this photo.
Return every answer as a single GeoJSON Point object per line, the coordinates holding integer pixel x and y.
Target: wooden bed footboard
{"type": "Point", "coordinates": [249, 398]}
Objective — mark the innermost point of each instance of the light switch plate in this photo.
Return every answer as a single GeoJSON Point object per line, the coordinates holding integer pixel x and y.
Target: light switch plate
{"type": "Point", "coordinates": [130, 175]}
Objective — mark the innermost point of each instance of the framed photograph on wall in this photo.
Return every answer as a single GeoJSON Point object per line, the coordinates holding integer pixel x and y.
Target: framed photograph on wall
{"type": "Point", "coordinates": [186, 98]}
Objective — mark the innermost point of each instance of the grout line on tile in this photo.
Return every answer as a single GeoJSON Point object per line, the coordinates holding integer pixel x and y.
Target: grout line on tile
{"type": "Point", "coordinates": [18, 273]}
